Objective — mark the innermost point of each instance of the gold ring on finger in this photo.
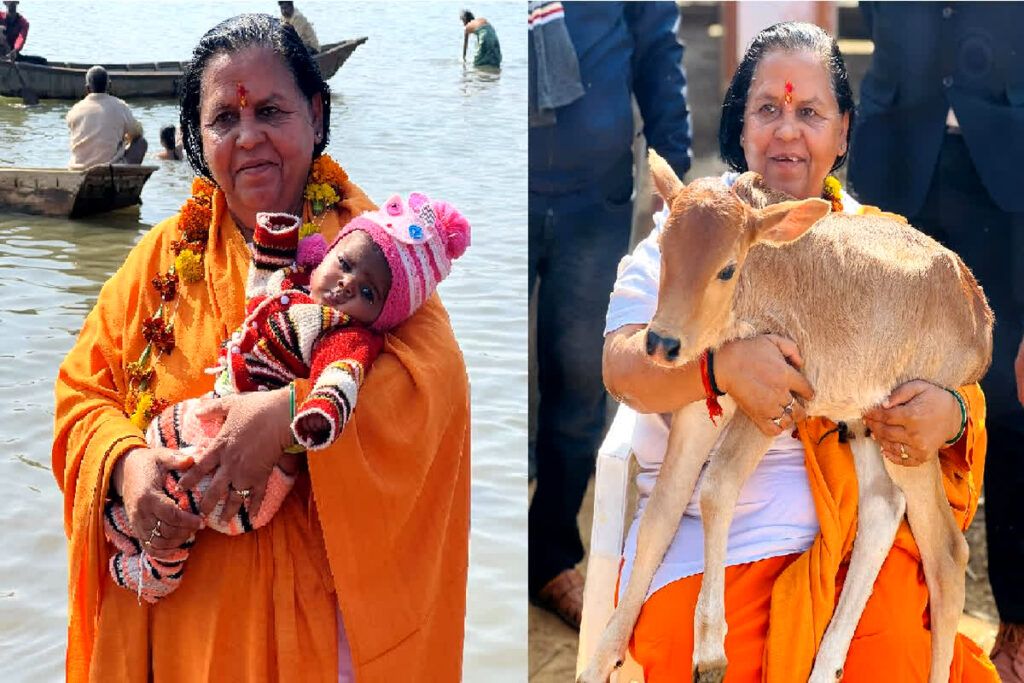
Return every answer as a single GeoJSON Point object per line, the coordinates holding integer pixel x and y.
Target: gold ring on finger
{"type": "Point", "coordinates": [244, 493]}
{"type": "Point", "coordinates": [903, 452]}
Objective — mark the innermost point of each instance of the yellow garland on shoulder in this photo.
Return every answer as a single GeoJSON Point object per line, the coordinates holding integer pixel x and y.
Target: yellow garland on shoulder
{"type": "Point", "coordinates": [323, 190]}
{"type": "Point", "coordinates": [189, 265]}
{"type": "Point", "coordinates": [833, 192]}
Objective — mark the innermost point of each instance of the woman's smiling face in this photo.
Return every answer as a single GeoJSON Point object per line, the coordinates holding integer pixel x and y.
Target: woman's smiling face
{"type": "Point", "coordinates": [793, 144]}
{"type": "Point", "coordinates": [258, 131]}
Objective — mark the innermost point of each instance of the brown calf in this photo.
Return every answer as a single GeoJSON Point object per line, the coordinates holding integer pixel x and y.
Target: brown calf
{"type": "Point", "coordinates": [871, 303]}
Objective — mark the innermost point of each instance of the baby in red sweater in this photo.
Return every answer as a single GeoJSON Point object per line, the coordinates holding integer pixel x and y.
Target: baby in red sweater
{"type": "Point", "coordinates": [312, 311]}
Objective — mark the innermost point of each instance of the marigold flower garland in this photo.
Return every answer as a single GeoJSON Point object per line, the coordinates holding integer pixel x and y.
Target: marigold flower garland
{"type": "Point", "coordinates": [833, 192]}
{"type": "Point", "coordinates": [323, 191]}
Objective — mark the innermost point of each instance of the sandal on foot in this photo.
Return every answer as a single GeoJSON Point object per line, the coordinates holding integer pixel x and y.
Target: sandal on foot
{"type": "Point", "coordinates": [563, 595]}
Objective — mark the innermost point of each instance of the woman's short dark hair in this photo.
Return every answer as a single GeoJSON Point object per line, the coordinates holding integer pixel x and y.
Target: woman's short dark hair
{"type": "Point", "coordinates": [232, 35]}
{"type": "Point", "coordinates": [790, 36]}
{"type": "Point", "coordinates": [466, 16]}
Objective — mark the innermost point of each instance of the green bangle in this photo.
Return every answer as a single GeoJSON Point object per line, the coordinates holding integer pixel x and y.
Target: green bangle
{"type": "Point", "coordinates": [295, 447]}
{"type": "Point", "coordinates": [963, 417]}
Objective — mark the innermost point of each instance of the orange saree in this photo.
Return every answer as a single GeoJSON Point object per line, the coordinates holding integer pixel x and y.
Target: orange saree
{"type": "Point", "coordinates": [778, 608]}
{"type": "Point", "coordinates": [379, 527]}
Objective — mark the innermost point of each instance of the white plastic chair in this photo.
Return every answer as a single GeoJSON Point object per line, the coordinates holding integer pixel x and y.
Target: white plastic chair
{"type": "Point", "coordinates": [607, 535]}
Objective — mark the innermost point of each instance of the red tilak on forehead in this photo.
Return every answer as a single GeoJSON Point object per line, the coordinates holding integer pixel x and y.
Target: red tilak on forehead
{"type": "Point", "coordinates": [789, 92]}
{"type": "Point", "coordinates": [242, 92]}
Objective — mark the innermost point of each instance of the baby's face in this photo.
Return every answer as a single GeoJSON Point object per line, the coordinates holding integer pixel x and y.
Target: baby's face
{"type": "Point", "coordinates": [354, 278]}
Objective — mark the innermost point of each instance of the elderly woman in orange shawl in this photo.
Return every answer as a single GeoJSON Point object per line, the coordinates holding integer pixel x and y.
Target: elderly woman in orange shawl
{"type": "Point", "coordinates": [362, 572]}
{"type": "Point", "coordinates": [787, 115]}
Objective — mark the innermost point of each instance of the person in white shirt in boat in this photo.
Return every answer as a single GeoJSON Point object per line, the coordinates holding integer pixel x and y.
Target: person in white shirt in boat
{"type": "Point", "coordinates": [103, 129]}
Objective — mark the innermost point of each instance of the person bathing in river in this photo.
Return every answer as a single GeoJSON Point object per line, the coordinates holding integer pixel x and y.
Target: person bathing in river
{"type": "Point", "coordinates": [488, 51]}
{"type": "Point", "coordinates": [170, 143]}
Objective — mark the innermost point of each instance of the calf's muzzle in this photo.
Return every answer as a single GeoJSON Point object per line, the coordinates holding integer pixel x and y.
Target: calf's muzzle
{"type": "Point", "coordinates": [668, 345]}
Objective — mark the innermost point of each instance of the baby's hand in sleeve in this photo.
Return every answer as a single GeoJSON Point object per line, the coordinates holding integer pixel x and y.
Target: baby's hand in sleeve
{"type": "Point", "coordinates": [314, 427]}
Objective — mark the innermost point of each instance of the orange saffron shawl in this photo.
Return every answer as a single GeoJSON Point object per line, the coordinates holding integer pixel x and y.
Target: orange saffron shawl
{"type": "Point", "coordinates": [379, 528]}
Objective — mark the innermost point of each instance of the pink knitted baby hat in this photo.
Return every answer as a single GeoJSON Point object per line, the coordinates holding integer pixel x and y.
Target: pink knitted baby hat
{"type": "Point", "coordinates": [420, 239]}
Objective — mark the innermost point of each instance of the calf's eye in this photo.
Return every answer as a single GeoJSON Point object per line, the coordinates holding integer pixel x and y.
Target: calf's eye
{"type": "Point", "coordinates": [727, 272]}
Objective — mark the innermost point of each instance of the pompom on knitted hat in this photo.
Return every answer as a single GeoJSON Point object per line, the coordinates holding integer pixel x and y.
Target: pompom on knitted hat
{"type": "Point", "coordinates": [419, 238]}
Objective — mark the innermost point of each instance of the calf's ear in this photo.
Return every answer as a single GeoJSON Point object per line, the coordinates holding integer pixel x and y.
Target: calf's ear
{"type": "Point", "coordinates": [752, 189]}
{"type": "Point", "coordinates": [787, 221]}
{"type": "Point", "coordinates": [665, 179]}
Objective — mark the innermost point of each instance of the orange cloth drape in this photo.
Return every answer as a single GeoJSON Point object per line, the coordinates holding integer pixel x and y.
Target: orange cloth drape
{"type": "Point", "coordinates": [379, 526]}
{"type": "Point", "coordinates": [781, 606]}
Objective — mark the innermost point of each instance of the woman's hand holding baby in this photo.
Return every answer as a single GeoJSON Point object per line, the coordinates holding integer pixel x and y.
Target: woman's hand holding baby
{"type": "Point", "coordinates": [138, 477]}
{"type": "Point", "coordinates": [255, 432]}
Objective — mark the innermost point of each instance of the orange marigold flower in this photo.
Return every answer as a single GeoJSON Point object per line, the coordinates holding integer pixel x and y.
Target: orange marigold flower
{"type": "Point", "coordinates": [201, 187]}
{"type": "Point", "coordinates": [326, 170]}
{"type": "Point", "coordinates": [194, 221]}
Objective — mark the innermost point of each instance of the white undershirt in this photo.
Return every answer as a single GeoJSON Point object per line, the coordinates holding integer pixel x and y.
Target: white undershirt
{"type": "Point", "coordinates": [775, 512]}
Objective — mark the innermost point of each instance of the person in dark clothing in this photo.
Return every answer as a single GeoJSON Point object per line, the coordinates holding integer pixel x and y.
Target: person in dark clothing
{"type": "Point", "coordinates": [939, 139]}
{"type": "Point", "coordinates": [583, 71]}
{"type": "Point", "coordinates": [15, 31]}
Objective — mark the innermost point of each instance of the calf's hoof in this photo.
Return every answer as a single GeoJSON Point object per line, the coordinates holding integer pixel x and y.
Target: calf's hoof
{"type": "Point", "coordinates": [715, 674]}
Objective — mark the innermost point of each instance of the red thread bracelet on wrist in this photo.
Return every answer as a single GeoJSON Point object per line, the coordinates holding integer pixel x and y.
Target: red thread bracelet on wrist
{"type": "Point", "coordinates": [710, 399]}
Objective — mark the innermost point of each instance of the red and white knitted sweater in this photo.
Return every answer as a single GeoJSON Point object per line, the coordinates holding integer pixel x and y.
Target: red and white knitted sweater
{"type": "Point", "coordinates": [286, 335]}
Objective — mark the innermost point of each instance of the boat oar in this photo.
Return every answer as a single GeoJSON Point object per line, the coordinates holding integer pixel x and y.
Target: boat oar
{"type": "Point", "coordinates": [28, 95]}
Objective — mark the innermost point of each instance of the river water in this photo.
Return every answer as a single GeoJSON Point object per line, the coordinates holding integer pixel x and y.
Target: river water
{"type": "Point", "coordinates": [406, 115]}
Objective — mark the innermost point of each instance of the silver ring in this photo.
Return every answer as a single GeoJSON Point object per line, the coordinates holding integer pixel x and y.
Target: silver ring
{"type": "Point", "coordinates": [778, 420]}
{"type": "Point", "coordinates": [903, 452]}
{"type": "Point", "coordinates": [244, 493]}
{"type": "Point", "coordinates": [788, 410]}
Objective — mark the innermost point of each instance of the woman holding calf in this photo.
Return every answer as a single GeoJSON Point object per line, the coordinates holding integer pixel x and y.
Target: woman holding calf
{"type": "Point", "coordinates": [787, 115]}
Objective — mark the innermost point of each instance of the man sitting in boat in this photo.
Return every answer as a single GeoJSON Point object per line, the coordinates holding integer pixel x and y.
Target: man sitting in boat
{"type": "Point", "coordinates": [295, 18]}
{"type": "Point", "coordinates": [103, 130]}
{"type": "Point", "coordinates": [15, 31]}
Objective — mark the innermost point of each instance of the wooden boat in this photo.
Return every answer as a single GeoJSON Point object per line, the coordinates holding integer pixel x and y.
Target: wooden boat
{"type": "Point", "coordinates": [60, 192]}
{"type": "Point", "coordinates": [66, 80]}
